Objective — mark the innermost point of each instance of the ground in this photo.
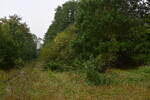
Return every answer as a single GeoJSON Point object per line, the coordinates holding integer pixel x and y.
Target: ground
{"type": "Point", "coordinates": [32, 83]}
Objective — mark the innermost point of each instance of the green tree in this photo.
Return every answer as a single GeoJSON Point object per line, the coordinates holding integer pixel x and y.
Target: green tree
{"type": "Point", "coordinates": [64, 16]}
{"type": "Point", "coordinates": [112, 29]}
{"type": "Point", "coordinates": [16, 42]}
{"type": "Point", "coordinates": [59, 48]}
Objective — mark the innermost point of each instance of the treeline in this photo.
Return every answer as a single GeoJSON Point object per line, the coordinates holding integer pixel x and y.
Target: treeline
{"type": "Point", "coordinates": [17, 44]}
{"type": "Point", "coordinates": [98, 34]}
{"type": "Point", "coordinates": [64, 16]}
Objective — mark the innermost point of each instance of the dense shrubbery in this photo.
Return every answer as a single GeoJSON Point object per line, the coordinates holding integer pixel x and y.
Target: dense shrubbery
{"type": "Point", "coordinates": [59, 48]}
{"type": "Point", "coordinates": [17, 44]}
{"type": "Point", "coordinates": [108, 33]}
{"type": "Point", "coordinates": [96, 78]}
{"type": "Point", "coordinates": [86, 35]}
{"type": "Point", "coordinates": [53, 66]}
{"type": "Point", "coordinates": [105, 30]}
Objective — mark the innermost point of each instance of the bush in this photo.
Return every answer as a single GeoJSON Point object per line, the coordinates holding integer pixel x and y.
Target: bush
{"type": "Point", "coordinates": [54, 66]}
{"type": "Point", "coordinates": [17, 44]}
{"type": "Point", "coordinates": [112, 33]}
{"type": "Point", "coordinates": [100, 63]}
{"type": "Point", "coordinates": [96, 68]}
{"type": "Point", "coordinates": [19, 63]}
{"type": "Point", "coordinates": [59, 48]}
{"type": "Point", "coordinates": [96, 78]}
{"type": "Point", "coordinates": [58, 52]}
{"type": "Point", "coordinates": [57, 66]}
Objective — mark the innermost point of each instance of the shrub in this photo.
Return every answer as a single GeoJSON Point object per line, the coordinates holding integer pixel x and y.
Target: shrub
{"type": "Point", "coordinates": [19, 63]}
{"type": "Point", "coordinates": [59, 48]}
{"type": "Point", "coordinates": [143, 70]}
{"type": "Point", "coordinates": [112, 33]}
{"type": "Point", "coordinates": [17, 44]}
{"type": "Point", "coordinates": [58, 52]}
{"type": "Point", "coordinates": [96, 68]}
{"type": "Point", "coordinates": [100, 63]}
{"type": "Point", "coordinates": [96, 78]}
{"type": "Point", "coordinates": [54, 66]}
{"type": "Point", "coordinates": [57, 66]}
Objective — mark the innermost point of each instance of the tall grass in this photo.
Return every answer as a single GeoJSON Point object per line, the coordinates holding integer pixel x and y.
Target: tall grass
{"type": "Point", "coordinates": [35, 84]}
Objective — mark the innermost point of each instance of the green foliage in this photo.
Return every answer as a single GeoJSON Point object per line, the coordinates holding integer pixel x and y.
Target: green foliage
{"type": "Point", "coordinates": [16, 43]}
{"type": "Point", "coordinates": [99, 63]}
{"type": "Point", "coordinates": [106, 29]}
{"type": "Point", "coordinates": [137, 76]}
{"type": "Point", "coordinates": [59, 48]}
{"type": "Point", "coordinates": [2, 89]}
{"type": "Point", "coordinates": [64, 16]}
{"type": "Point", "coordinates": [53, 66]}
{"type": "Point", "coordinates": [19, 63]}
{"type": "Point", "coordinates": [140, 75]}
{"type": "Point", "coordinates": [145, 70]}
{"type": "Point", "coordinates": [104, 34]}
{"type": "Point", "coordinates": [96, 78]}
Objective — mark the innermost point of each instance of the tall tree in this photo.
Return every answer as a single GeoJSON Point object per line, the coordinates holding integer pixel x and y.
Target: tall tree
{"type": "Point", "coordinates": [16, 42]}
{"type": "Point", "coordinates": [64, 16]}
{"type": "Point", "coordinates": [111, 28]}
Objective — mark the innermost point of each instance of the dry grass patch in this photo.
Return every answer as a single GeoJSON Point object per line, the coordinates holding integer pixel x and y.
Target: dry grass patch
{"type": "Point", "coordinates": [35, 84]}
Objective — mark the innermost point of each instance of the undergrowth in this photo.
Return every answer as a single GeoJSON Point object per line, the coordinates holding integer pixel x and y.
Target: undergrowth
{"type": "Point", "coordinates": [115, 84]}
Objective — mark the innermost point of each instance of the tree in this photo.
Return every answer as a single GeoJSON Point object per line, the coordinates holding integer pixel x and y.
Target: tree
{"type": "Point", "coordinates": [108, 27]}
{"type": "Point", "coordinates": [16, 42]}
{"type": "Point", "coordinates": [64, 16]}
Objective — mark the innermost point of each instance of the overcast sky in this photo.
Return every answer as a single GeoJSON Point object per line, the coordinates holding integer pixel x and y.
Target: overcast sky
{"type": "Point", "coordinates": [38, 14]}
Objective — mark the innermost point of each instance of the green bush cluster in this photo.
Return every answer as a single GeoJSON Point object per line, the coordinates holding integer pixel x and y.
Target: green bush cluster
{"type": "Point", "coordinates": [53, 66]}
{"type": "Point", "coordinates": [96, 78]}
{"type": "Point", "coordinates": [103, 28]}
{"type": "Point", "coordinates": [59, 49]}
{"type": "Point", "coordinates": [99, 34]}
{"type": "Point", "coordinates": [17, 44]}
{"type": "Point", "coordinates": [112, 33]}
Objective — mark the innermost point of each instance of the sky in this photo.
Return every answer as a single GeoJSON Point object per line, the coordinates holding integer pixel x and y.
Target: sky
{"type": "Point", "coordinates": [38, 14]}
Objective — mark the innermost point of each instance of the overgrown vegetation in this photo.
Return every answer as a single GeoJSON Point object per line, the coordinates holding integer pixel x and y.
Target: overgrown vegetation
{"type": "Point", "coordinates": [34, 84]}
{"type": "Point", "coordinates": [64, 16]}
{"type": "Point", "coordinates": [94, 49]}
{"type": "Point", "coordinates": [17, 44]}
{"type": "Point", "coordinates": [107, 34]}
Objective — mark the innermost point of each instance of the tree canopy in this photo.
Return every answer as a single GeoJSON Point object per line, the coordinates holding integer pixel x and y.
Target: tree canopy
{"type": "Point", "coordinates": [114, 29]}
{"type": "Point", "coordinates": [108, 32]}
{"type": "Point", "coordinates": [17, 44]}
{"type": "Point", "coordinates": [64, 16]}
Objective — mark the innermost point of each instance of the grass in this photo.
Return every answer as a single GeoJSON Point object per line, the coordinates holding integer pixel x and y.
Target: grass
{"type": "Point", "coordinates": [34, 84]}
